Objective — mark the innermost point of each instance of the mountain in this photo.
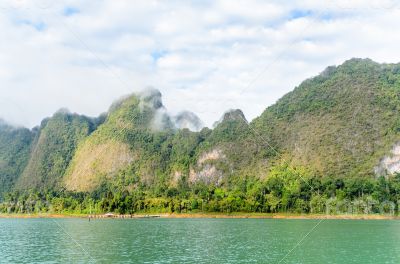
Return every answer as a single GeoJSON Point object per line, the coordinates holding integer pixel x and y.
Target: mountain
{"type": "Point", "coordinates": [53, 148]}
{"type": "Point", "coordinates": [132, 133]}
{"type": "Point", "coordinates": [137, 143]}
{"type": "Point", "coordinates": [342, 124]}
{"type": "Point", "coordinates": [15, 145]}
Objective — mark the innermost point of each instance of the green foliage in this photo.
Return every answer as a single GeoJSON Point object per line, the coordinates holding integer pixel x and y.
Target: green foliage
{"type": "Point", "coordinates": [15, 144]}
{"type": "Point", "coordinates": [289, 190]}
{"type": "Point", "coordinates": [53, 149]}
{"type": "Point", "coordinates": [315, 150]}
{"type": "Point", "coordinates": [340, 123]}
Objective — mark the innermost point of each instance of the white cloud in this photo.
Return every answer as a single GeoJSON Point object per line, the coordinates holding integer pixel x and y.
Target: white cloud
{"type": "Point", "coordinates": [206, 57]}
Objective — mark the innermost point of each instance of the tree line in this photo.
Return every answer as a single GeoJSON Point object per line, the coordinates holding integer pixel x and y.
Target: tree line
{"type": "Point", "coordinates": [286, 190]}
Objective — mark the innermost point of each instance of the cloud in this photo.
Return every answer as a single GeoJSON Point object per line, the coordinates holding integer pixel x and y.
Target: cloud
{"type": "Point", "coordinates": [206, 56]}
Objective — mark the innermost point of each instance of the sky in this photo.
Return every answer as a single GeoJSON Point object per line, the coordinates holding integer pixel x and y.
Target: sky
{"type": "Point", "coordinates": [204, 56]}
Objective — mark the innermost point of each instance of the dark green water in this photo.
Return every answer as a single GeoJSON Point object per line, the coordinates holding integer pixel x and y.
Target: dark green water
{"type": "Point", "coordinates": [198, 241]}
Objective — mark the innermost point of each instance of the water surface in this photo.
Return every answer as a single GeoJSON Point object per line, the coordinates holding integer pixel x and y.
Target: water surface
{"type": "Point", "coordinates": [198, 241]}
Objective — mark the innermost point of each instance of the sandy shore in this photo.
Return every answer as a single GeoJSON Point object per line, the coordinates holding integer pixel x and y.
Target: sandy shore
{"type": "Point", "coordinates": [41, 216]}
{"type": "Point", "coordinates": [281, 216]}
{"type": "Point", "coordinates": [218, 215]}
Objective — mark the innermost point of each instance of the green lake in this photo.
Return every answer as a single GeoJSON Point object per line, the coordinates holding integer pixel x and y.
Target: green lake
{"type": "Point", "coordinates": [198, 241]}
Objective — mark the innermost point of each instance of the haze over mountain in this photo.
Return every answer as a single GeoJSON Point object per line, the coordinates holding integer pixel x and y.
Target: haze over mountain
{"type": "Point", "coordinates": [344, 123]}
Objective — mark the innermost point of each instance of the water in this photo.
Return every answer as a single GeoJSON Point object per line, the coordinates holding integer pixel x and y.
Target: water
{"type": "Point", "coordinates": [198, 241]}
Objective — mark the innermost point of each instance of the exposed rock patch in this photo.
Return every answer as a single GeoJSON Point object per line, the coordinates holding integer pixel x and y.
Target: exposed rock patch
{"type": "Point", "coordinates": [390, 164]}
{"type": "Point", "coordinates": [215, 154]}
{"type": "Point", "coordinates": [206, 170]}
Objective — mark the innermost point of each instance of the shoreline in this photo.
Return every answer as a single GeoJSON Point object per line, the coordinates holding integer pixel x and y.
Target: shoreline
{"type": "Point", "coordinates": [208, 215]}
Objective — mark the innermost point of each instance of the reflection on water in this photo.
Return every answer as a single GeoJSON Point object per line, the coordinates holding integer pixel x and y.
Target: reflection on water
{"type": "Point", "coordinates": [197, 241]}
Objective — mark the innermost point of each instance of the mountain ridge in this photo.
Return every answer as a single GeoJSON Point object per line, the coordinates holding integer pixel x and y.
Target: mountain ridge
{"type": "Point", "coordinates": [341, 123]}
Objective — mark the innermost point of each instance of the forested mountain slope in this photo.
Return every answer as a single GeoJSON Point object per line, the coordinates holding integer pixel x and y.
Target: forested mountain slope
{"type": "Point", "coordinates": [342, 123]}
{"type": "Point", "coordinates": [15, 145]}
{"type": "Point", "coordinates": [53, 149]}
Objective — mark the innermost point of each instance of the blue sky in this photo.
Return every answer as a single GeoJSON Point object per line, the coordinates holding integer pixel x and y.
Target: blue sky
{"type": "Point", "coordinates": [204, 56]}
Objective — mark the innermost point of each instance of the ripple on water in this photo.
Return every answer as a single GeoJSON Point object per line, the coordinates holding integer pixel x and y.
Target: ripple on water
{"type": "Point", "coordinates": [197, 241]}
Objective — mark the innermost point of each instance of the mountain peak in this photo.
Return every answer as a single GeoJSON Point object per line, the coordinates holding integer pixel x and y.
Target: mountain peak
{"type": "Point", "coordinates": [127, 100]}
{"type": "Point", "coordinates": [188, 120]}
{"type": "Point", "coordinates": [151, 97]}
{"type": "Point", "coordinates": [234, 115]}
{"type": "Point", "coordinates": [359, 61]}
{"type": "Point", "coordinates": [63, 111]}
{"type": "Point", "coordinates": [360, 65]}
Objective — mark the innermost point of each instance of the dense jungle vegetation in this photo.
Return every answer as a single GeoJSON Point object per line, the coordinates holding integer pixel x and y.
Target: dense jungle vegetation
{"type": "Point", "coordinates": [327, 146]}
